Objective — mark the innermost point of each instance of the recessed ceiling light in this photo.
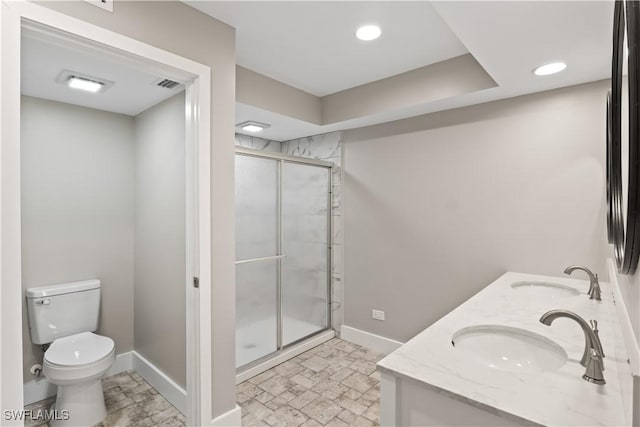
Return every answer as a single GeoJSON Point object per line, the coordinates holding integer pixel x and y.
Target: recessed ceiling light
{"type": "Point", "coordinates": [547, 69]}
{"type": "Point", "coordinates": [251, 126]}
{"type": "Point", "coordinates": [81, 83]}
{"type": "Point", "coordinates": [368, 32]}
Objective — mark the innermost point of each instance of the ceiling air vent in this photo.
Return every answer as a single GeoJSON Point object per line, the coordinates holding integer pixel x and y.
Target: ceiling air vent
{"type": "Point", "coordinates": [168, 84]}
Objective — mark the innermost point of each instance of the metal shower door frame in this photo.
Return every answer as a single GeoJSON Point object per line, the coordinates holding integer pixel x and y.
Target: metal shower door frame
{"type": "Point", "coordinates": [282, 159]}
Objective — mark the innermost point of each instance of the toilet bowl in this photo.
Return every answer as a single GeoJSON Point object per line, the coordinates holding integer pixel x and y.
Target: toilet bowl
{"type": "Point", "coordinates": [76, 364]}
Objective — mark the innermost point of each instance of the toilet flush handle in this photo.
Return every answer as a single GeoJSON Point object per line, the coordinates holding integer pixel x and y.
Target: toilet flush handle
{"type": "Point", "coordinates": [45, 301]}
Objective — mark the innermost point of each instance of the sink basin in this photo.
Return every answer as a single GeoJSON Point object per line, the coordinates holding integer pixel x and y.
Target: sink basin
{"type": "Point", "coordinates": [509, 349]}
{"type": "Point", "coordinates": [546, 289]}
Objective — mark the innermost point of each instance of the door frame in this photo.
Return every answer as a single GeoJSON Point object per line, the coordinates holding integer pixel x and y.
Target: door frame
{"type": "Point", "coordinates": [13, 15]}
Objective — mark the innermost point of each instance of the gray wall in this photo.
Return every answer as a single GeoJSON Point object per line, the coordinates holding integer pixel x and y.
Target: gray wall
{"type": "Point", "coordinates": [159, 290]}
{"type": "Point", "coordinates": [630, 290]}
{"type": "Point", "coordinates": [439, 206]}
{"type": "Point", "coordinates": [78, 209]}
{"type": "Point", "coordinates": [271, 95]}
{"type": "Point", "coordinates": [180, 29]}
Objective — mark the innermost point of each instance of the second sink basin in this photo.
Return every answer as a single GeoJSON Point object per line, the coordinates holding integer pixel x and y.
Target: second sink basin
{"type": "Point", "coordinates": [509, 349]}
{"type": "Point", "coordinates": [546, 289]}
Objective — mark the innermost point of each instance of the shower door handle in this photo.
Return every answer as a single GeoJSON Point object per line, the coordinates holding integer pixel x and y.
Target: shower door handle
{"type": "Point", "coordinates": [266, 258]}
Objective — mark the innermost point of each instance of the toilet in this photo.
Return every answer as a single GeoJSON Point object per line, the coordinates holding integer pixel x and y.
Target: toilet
{"type": "Point", "coordinates": [64, 317]}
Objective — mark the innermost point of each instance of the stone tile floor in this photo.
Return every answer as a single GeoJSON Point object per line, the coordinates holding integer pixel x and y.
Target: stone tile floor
{"type": "Point", "coordinates": [333, 384]}
{"type": "Point", "coordinates": [130, 401]}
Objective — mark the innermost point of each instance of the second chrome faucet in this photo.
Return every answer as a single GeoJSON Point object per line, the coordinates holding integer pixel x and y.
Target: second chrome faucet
{"type": "Point", "coordinates": [594, 285]}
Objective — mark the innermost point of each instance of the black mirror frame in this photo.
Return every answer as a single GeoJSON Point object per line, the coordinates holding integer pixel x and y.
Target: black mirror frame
{"type": "Point", "coordinates": [608, 174]}
{"type": "Point", "coordinates": [626, 240]}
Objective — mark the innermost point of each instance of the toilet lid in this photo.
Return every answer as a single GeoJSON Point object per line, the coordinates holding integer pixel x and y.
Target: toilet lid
{"type": "Point", "coordinates": [79, 349]}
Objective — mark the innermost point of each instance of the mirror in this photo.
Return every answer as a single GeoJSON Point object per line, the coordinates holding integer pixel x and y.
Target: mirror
{"type": "Point", "coordinates": [623, 129]}
{"type": "Point", "coordinates": [608, 172]}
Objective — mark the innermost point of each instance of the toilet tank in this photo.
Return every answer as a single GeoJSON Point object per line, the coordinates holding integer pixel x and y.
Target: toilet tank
{"type": "Point", "coordinates": [57, 311]}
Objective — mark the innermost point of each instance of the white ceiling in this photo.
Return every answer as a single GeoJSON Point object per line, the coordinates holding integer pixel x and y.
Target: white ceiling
{"type": "Point", "coordinates": [44, 58]}
{"type": "Point", "coordinates": [312, 45]}
{"type": "Point", "coordinates": [508, 38]}
{"type": "Point", "coordinates": [526, 34]}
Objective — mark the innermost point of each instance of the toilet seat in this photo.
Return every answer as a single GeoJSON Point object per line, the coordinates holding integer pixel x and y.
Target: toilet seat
{"type": "Point", "coordinates": [79, 349]}
{"type": "Point", "coordinates": [79, 357]}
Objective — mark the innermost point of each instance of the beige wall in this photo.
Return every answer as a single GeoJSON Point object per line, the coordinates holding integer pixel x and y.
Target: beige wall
{"type": "Point", "coordinates": [78, 209]}
{"type": "Point", "coordinates": [437, 207]}
{"type": "Point", "coordinates": [180, 29]}
{"type": "Point", "coordinates": [159, 286]}
{"type": "Point", "coordinates": [269, 94]}
{"type": "Point", "coordinates": [446, 79]}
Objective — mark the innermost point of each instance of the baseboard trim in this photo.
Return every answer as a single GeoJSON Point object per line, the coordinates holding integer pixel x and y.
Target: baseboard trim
{"type": "Point", "coordinates": [168, 388]}
{"type": "Point", "coordinates": [37, 390]}
{"type": "Point", "coordinates": [228, 419]}
{"type": "Point", "coordinates": [124, 362]}
{"type": "Point", "coordinates": [285, 355]}
{"type": "Point", "coordinates": [367, 339]}
{"type": "Point", "coordinates": [40, 389]}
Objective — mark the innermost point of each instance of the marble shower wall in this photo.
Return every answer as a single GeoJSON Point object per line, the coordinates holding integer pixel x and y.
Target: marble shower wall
{"type": "Point", "coordinates": [328, 147]}
{"type": "Point", "coordinates": [256, 143]}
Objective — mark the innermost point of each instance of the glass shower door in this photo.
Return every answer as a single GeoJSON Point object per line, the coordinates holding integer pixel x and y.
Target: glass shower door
{"type": "Point", "coordinates": [257, 257]}
{"type": "Point", "coordinates": [305, 241]}
{"type": "Point", "coordinates": [283, 223]}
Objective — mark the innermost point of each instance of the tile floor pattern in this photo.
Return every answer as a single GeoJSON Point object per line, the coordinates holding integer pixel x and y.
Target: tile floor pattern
{"type": "Point", "coordinates": [333, 384]}
{"type": "Point", "coordinates": [130, 401]}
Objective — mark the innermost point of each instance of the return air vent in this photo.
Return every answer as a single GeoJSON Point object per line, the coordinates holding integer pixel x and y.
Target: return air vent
{"type": "Point", "coordinates": [168, 84]}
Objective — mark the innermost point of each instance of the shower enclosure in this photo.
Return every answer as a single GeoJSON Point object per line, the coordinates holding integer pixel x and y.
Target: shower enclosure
{"type": "Point", "coordinates": [283, 252]}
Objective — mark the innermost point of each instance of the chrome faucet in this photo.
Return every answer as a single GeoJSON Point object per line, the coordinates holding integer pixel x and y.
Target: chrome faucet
{"type": "Point", "coordinates": [593, 353]}
{"type": "Point", "coordinates": [594, 286]}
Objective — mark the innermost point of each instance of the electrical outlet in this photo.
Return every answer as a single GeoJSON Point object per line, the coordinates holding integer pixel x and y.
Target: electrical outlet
{"type": "Point", "coordinates": [377, 314]}
{"type": "Point", "coordinates": [102, 4]}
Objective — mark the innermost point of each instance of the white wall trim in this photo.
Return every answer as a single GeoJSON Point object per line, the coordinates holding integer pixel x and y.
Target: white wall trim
{"type": "Point", "coordinates": [369, 340]}
{"type": "Point", "coordinates": [228, 419]}
{"type": "Point", "coordinates": [40, 389]}
{"type": "Point", "coordinates": [164, 385]}
{"type": "Point", "coordinates": [285, 355]}
{"type": "Point", "coordinates": [37, 390]}
{"type": "Point", "coordinates": [633, 350]}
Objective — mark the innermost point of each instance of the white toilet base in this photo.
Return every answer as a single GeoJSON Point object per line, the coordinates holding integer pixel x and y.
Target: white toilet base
{"type": "Point", "coordinates": [84, 401]}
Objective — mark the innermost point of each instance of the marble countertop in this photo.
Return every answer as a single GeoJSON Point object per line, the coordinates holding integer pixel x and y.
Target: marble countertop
{"type": "Point", "coordinates": [557, 398]}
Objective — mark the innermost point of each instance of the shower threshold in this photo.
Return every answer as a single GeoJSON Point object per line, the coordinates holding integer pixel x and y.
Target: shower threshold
{"type": "Point", "coordinates": [292, 350]}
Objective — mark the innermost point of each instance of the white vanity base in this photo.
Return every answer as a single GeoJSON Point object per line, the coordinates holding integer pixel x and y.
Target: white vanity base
{"type": "Point", "coordinates": [406, 402]}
